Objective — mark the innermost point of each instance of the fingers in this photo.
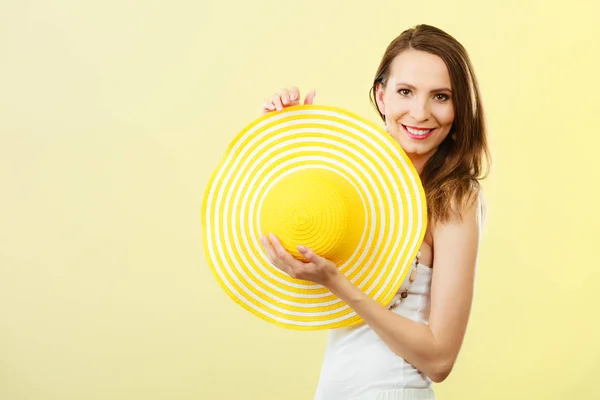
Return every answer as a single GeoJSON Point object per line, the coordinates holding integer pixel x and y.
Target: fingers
{"type": "Point", "coordinates": [283, 254]}
{"type": "Point", "coordinates": [317, 269]}
{"type": "Point", "coordinates": [268, 248]}
{"type": "Point", "coordinates": [272, 255]}
{"type": "Point", "coordinates": [278, 256]}
{"type": "Point", "coordinates": [286, 98]}
{"type": "Point", "coordinates": [294, 94]}
{"type": "Point", "coordinates": [276, 100]}
{"type": "Point", "coordinates": [312, 256]}
{"type": "Point", "coordinates": [310, 97]}
{"type": "Point", "coordinates": [268, 106]}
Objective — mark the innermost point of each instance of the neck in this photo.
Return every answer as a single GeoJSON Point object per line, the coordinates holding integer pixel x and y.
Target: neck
{"type": "Point", "coordinates": [419, 161]}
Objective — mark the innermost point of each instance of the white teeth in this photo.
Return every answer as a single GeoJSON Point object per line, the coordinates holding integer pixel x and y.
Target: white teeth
{"type": "Point", "coordinates": [418, 131]}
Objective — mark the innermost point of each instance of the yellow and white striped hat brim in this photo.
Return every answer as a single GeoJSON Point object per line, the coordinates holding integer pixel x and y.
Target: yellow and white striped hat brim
{"type": "Point", "coordinates": [325, 178]}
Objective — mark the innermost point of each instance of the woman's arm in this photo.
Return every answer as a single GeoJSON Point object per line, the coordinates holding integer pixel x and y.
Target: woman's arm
{"type": "Point", "coordinates": [432, 348]}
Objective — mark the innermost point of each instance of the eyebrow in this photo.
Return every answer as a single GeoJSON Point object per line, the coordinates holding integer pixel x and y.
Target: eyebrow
{"type": "Point", "coordinates": [444, 89]}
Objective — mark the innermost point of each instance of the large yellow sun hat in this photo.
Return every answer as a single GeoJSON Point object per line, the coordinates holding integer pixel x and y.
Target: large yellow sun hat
{"type": "Point", "coordinates": [321, 177]}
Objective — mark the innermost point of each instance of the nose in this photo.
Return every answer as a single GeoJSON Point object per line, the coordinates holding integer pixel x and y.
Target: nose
{"type": "Point", "coordinates": [420, 110]}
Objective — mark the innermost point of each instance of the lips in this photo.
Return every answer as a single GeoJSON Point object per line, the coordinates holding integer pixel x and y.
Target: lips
{"type": "Point", "coordinates": [417, 133]}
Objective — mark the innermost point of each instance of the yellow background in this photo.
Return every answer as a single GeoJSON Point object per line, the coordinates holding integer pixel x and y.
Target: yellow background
{"type": "Point", "coordinates": [113, 115]}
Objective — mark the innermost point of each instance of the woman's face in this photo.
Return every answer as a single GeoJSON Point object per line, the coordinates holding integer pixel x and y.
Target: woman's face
{"type": "Point", "coordinates": [417, 103]}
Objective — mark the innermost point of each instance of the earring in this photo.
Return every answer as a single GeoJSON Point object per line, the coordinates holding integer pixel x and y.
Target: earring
{"type": "Point", "coordinates": [385, 128]}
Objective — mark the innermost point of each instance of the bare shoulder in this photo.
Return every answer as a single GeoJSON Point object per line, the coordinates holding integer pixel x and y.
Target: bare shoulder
{"type": "Point", "coordinates": [457, 238]}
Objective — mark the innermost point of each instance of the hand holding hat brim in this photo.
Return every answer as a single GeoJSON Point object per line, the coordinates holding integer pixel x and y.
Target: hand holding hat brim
{"type": "Point", "coordinates": [286, 98]}
{"type": "Point", "coordinates": [317, 269]}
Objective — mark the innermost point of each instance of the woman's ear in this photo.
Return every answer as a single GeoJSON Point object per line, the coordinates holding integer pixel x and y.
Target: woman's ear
{"type": "Point", "coordinates": [379, 92]}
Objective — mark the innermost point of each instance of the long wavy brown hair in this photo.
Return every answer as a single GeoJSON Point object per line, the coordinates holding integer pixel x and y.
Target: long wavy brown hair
{"type": "Point", "coordinates": [451, 176]}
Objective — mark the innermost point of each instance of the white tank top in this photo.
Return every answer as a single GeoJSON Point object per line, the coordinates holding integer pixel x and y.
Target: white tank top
{"type": "Point", "coordinates": [357, 362]}
{"type": "Point", "coordinates": [358, 365]}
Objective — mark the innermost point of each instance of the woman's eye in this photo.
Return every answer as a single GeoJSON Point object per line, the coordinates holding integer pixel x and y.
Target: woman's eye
{"type": "Point", "coordinates": [404, 92]}
{"type": "Point", "coordinates": [441, 97]}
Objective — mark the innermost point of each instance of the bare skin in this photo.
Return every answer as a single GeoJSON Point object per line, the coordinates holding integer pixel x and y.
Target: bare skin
{"type": "Point", "coordinates": [415, 100]}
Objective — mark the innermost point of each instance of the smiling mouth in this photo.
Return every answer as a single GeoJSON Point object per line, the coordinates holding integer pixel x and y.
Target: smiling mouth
{"type": "Point", "coordinates": [417, 133]}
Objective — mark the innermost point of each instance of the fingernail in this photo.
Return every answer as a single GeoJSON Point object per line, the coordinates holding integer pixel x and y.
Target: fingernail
{"type": "Point", "coordinates": [301, 248]}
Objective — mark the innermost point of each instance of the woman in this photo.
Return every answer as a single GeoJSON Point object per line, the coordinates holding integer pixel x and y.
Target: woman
{"type": "Point", "coordinates": [427, 95]}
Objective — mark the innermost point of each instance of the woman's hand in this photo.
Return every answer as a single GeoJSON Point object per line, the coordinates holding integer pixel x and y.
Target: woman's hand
{"type": "Point", "coordinates": [317, 269]}
{"type": "Point", "coordinates": [286, 98]}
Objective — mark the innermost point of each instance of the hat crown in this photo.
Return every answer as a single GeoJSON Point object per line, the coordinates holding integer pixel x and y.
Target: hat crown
{"type": "Point", "coordinates": [317, 208]}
